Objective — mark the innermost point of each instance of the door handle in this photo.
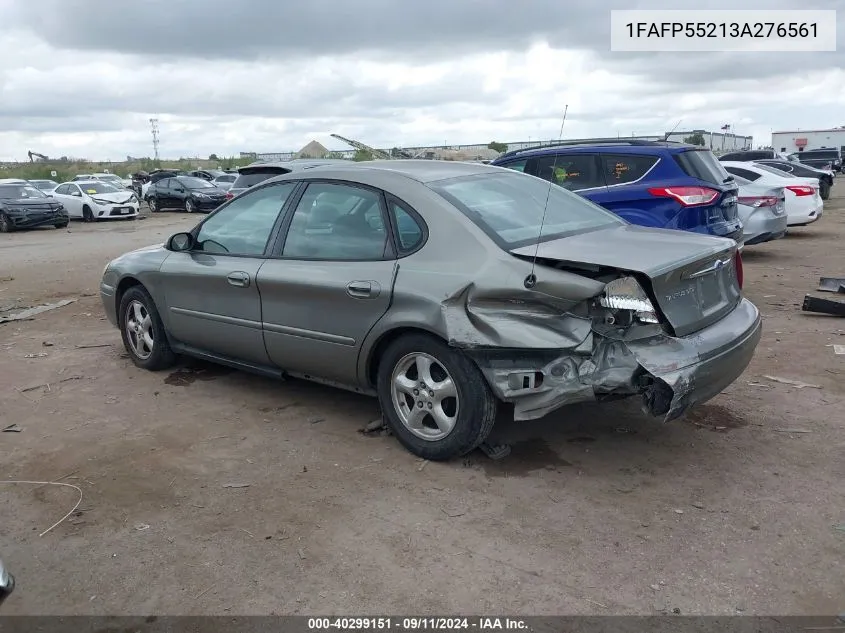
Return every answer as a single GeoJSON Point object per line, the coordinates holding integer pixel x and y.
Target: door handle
{"type": "Point", "coordinates": [239, 279]}
{"type": "Point", "coordinates": [361, 289]}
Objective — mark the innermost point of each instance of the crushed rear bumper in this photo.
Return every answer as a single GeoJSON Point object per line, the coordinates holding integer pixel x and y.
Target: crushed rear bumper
{"type": "Point", "coordinates": [670, 373]}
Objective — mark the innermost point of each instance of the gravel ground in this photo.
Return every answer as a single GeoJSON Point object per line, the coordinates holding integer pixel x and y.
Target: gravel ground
{"type": "Point", "coordinates": [208, 491]}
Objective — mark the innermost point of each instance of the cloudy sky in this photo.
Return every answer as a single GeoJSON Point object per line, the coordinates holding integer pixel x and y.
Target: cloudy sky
{"type": "Point", "coordinates": [83, 79]}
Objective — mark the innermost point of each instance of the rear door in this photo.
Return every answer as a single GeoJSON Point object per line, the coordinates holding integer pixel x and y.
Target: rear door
{"type": "Point", "coordinates": [330, 281]}
{"type": "Point", "coordinates": [212, 294]}
{"type": "Point", "coordinates": [626, 193]}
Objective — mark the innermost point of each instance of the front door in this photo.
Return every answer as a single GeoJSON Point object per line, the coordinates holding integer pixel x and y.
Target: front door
{"type": "Point", "coordinates": [332, 282]}
{"type": "Point", "coordinates": [211, 293]}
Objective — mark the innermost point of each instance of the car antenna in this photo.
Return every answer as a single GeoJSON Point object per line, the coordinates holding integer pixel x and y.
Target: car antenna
{"type": "Point", "coordinates": [531, 279]}
{"type": "Point", "coordinates": [672, 131]}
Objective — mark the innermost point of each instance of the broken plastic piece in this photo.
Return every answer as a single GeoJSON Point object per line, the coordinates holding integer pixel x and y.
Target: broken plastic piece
{"type": "Point", "coordinates": [495, 451]}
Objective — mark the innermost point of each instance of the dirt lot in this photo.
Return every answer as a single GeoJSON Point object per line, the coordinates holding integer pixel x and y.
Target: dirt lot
{"type": "Point", "coordinates": [598, 510]}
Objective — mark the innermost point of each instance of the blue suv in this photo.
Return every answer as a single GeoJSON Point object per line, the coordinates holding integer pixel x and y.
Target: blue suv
{"type": "Point", "coordinates": [651, 183]}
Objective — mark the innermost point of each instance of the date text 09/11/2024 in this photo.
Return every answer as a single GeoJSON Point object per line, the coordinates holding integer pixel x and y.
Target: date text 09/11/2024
{"type": "Point", "coordinates": [734, 30]}
{"type": "Point", "coordinates": [415, 624]}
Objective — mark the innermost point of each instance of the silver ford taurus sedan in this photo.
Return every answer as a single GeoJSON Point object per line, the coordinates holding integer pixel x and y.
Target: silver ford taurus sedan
{"type": "Point", "coordinates": [442, 288]}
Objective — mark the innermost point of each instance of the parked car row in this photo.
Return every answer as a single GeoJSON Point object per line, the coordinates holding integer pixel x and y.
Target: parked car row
{"type": "Point", "coordinates": [447, 288]}
{"type": "Point", "coordinates": [827, 159]}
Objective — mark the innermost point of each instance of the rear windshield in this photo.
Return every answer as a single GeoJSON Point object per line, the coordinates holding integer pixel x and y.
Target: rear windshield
{"type": "Point", "coordinates": [511, 208]}
{"type": "Point", "coordinates": [252, 178]}
{"type": "Point", "coordinates": [774, 170]}
{"type": "Point", "coordinates": [703, 165]}
{"type": "Point", "coordinates": [226, 178]}
{"type": "Point", "coordinates": [819, 153]}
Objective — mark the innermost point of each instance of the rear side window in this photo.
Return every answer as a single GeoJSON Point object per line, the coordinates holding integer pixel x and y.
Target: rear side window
{"type": "Point", "coordinates": [820, 153]}
{"type": "Point", "coordinates": [703, 165]}
{"type": "Point", "coordinates": [620, 169]}
{"type": "Point", "coordinates": [252, 178]}
{"type": "Point", "coordinates": [409, 231]}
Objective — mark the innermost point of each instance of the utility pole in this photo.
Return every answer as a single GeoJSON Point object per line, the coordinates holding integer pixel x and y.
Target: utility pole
{"type": "Point", "coordinates": [154, 130]}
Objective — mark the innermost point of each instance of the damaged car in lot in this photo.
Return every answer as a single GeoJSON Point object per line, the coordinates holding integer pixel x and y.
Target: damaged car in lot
{"type": "Point", "coordinates": [23, 206]}
{"type": "Point", "coordinates": [444, 289]}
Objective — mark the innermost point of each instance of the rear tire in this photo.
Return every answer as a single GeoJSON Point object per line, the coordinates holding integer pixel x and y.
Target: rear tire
{"type": "Point", "coordinates": [468, 415]}
{"type": "Point", "coordinates": [6, 225]}
{"type": "Point", "coordinates": [139, 324]}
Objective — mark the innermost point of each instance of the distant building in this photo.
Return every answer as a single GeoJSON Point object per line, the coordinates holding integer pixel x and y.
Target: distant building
{"type": "Point", "coordinates": [800, 140]}
{"type": "Point", "coordinates": [716, 141]}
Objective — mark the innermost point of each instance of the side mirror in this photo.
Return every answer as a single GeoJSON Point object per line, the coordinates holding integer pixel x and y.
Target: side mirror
{"type": "Point", "coordinates": [7, 583]}
{"type": "Point", "coordinates": [180, 242]}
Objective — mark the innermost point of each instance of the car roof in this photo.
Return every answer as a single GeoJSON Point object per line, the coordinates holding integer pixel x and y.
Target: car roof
{"type": "Point", "coordinates": [293, 165]}
{"type": "Point", "coordinates": [423, 171]}
{"type": "Point", "coordinates": [617, 145]}
{"type": "Point", "coordinates": [93, 181]}
{"type": "Point", "coordinates": [13, 181]}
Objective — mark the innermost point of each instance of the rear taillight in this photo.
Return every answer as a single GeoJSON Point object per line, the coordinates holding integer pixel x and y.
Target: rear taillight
{"type": "Point", "coordinates": [758, 201]}
{"type": "Point", "coordinates": [687, 196]}
{"type": "Point", "coordinates": [802, 190]}
{"type": "Point", "coordinates": [740, 276]}
{"type": "Point", "coordinates": [229, 196]}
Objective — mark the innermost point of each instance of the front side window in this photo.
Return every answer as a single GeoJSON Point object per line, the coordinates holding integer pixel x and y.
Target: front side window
{"type": "Point", "coordinates": [190, 182]}
{"type": "Point", "coordinates": [573, 171]}
{"type": "Point", "coordinates": [243, 227]}
{"type": "Point", "coordinates": [511, 208]}
{"type": "Point", "coordinates": [337, 222]}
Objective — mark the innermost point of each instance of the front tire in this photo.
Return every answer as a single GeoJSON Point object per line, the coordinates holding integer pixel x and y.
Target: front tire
{"type": "Point", "coordinates": [435, 400]}
{"type": "Point", "coordinates": [87, 214]}
{"type": "Point", "coordinates": [152, 204]}
{"type": "Point", "coordinates": [190, 207]}
{"type": "Point", "coordinates": [142, 330]}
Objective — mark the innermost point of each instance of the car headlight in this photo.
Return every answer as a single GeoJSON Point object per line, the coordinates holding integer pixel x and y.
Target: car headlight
{"type": "Point", "coordinates": [626, 293]}
{"type": "Point", "coordinates": [102, 202]}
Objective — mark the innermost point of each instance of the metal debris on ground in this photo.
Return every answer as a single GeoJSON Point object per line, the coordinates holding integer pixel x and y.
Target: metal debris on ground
{"type": "Point", "coordinates": [839, 349]}
{"type": "Point", "coordinates": [759, 384]}
{"type": "Point", "coordinates": [47, 343]}
{"type": "Point", "coordinates": [301, 554]}
{"type": "Point", "coordinates": [142, 526]}
{"type": "Point", "coordinates": [792, 430]}
{"type": "Point", "coordinates": [26, 315]}
{"type": "Point", "coordinates": [823, 306]}
{"type": "Point", "coordinates": [12, 428]}
{"type": "Point", "coordinates": [697, 504]}
{"type": "Point", "coordinates": [678, 511]}
{"type": "Point", "coordinates": [47, 384]}
{"type": "Point", "coordinates": [798, 384]}
{"type": "Point", "coordinates": [236, 485]}
{"type": "Point", "coordinates": [373, 425]}
{"type": "Point", "coordinates": [832, 284]}
{"type": "Point", "coordinates": [41, 355]}
{"type": "Point", "coordinates": [93, 346]}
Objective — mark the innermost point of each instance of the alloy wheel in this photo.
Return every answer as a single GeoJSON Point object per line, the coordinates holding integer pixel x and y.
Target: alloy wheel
{"type": "Point", "coordinates": [425, 396]}
{"type": "Point", "coordinates": [139, 329]}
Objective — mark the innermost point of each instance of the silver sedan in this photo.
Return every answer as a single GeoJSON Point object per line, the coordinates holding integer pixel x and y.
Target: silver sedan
{"type": "Point", "coordinates": [442, 288]}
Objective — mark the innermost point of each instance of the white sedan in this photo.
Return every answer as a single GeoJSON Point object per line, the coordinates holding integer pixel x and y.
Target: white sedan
{"type": "Point", "coordinates": [804, 205]}
{"type": "Point", "coordinates": [96, 200]}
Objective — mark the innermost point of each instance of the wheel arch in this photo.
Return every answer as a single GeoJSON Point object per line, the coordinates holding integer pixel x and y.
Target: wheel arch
{"type": "Point", "coordinates": [383, 341]}
{"type": "Point", "coordinates": [123, 285]}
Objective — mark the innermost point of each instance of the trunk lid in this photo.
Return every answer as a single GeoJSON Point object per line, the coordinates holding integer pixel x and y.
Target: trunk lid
{"type": "Point", "coordinates": [693, 277]}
